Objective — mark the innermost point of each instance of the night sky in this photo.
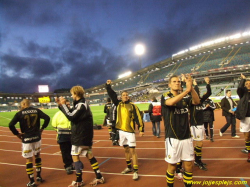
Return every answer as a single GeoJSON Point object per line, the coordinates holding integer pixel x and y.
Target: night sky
{"type": "Point", "coordinates": [62, 43]}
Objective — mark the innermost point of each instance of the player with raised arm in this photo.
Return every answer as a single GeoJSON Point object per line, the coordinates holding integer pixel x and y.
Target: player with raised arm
{"type": "Point", "coordinates": [178, 143]}
{"type": "Point", "coordinates": [128, 114]}
{"type": "Point", "coordinates": [197, 123]}
{"type": "Point", "coordinates": [81, 134]}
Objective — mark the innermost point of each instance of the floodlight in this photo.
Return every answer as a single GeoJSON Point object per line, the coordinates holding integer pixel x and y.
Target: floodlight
{"type": "Point", "coordinates": [124, 74]}
{"type": "Point", "coordinates": [139, 49]}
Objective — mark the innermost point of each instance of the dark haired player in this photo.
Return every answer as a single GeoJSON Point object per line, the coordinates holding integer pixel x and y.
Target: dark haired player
{"type": "Point", "coordinates": [197, 123]}
{"type": "Point", "coordinates": [243, 111]}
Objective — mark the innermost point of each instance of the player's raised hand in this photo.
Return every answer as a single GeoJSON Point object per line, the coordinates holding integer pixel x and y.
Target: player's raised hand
{"type": "Point", "coordinates": [183, 77]}
{"type": "Point", "coordinates": [62, 100]}
{"type": "Point", "coordinates": [194, 82]}
{"type": "Point", "coordinates": [242, 76]}
{"type": "Point", "coordinates": [189, 82]}
{"type": "Point", "coordinates": [57, 100]}
{"type": "Point", "coordinates": [207, 80]}
{"type": "Point", "coordinates": [108, 82]}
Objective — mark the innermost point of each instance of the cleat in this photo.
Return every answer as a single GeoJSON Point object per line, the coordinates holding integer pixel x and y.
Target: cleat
{"type": "Point", "coordinates": [202, 166]}
{"type": "Point", "coordinates": [127, 170]}
{"type": "Point", "coordinates": [76, 184]}
{"type": "Point", "coordinates": [236, 136]}
{"type": "Point", "coordinates": [31, 184]}
{"type": "Point", "coordinates": [69, 170]}
{"type": "Point", "coordinates": [221, 134]}
{"type": "Point", "coordinates": [179, 176]}
{"type": "Point", "coordinates": [196, 163]}
{"type": "Point", "coordinates": [39, 179]}
{"type": "Point", "coordinates": [211, 140]}
{"type": "Point", "coordinates": [135, 176]}
{"type": "Point", "coordinates": [97, 181]}
{"type": "Point", "coordinates": [244, 151]}
{"type": "Point", "coordinates": [207, 138]}
{"type": "Point", "coordinates": [115, 142]}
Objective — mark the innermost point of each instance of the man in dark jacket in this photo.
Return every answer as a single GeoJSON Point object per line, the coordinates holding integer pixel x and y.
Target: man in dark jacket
{"type": "Point", "coordinates": [227, 106]}
{"type": "Point", "coordinates": [81, 134]}
{"type": "Point", "coordinates": [243, 110]}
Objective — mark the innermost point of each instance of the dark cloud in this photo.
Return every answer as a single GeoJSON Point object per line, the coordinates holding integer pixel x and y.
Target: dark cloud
{"type": "Point", "coordinates": [67, 48]}
{"type": "Point", "coordinates": [29, 12]}
{"type": "Point", "coordinates": [17, 66]}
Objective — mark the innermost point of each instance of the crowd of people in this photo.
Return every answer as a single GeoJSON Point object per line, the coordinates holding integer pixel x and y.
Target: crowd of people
{"type": "Point", "coordinates": [187, 116]}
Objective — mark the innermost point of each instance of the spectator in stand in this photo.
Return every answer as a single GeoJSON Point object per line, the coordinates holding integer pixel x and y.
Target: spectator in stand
{"type": "Point", "coordinates": [208, 117]}
{"type": "Point", "coordinates": [154, 111]}
{"type": "Point", "coordinates": [243, 110]}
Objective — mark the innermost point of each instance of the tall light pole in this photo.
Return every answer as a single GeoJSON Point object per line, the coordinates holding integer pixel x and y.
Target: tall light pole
{"type": "Point", "coordinates": [139, 50]}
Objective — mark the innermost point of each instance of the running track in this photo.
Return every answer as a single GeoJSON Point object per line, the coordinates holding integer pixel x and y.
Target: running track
{"type": "Point", "coordinates": [223, 157]}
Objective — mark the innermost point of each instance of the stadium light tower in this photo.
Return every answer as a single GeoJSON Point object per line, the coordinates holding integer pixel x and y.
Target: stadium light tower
{"type": "Point", "coordinates": [140, 50]}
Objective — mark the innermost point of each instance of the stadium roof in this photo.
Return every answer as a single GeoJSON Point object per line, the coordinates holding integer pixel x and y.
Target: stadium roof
{"type": "Point", "coordinates": [192, 52]}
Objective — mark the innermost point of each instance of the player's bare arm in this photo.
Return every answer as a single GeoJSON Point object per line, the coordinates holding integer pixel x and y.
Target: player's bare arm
{"type": "Point", "coordinates": [242, 76]}
{"type": "Point", "coordinates": [195, 97]}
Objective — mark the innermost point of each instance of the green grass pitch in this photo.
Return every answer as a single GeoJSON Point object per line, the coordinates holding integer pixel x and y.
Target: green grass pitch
{"type": "Point", "coordinates": [98, 115]}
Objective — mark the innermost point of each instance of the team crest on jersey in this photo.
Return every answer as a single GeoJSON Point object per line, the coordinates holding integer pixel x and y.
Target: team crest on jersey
{"type": "Point", "coordinates": [184, 103]}
{"type": "Point", "coordinates": [169, 156]}
{"type": "Point", "coordinates": [198, 136]}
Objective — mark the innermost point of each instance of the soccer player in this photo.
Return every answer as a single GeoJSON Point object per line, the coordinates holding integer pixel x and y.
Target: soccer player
{"type": "Point", "coordinates": [112, 118]}
{"type": "Point", "coordinates": [81, 134]}
{"type": "Point", "coordinates": [208, 117]}
{"type": "Point", "coordinates": [107, 107]}
{"type": "Point", "coordinates": [127, 115]}
{"type": "Point", "coordinates": [63, 127]}
{"type": "Point", "coordinates": [179, 144]}
{"type": "Point", "coordinates": [29, 119]}
{"type": "Point", "coordinates": [243, 110]}
{"type": "Point", "coordinates": [197, 124]}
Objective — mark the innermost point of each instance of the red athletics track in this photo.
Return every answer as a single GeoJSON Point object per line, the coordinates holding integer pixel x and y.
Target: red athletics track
{"type": "Point", "coordinates": [223, 157]}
